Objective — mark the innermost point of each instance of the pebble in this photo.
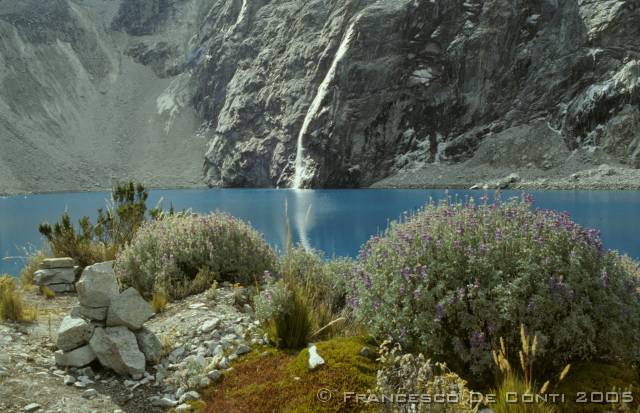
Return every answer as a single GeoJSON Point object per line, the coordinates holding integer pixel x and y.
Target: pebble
{"type": "Point", "coordinates": [214, 375]}
{"type": "Point", "coordinates": [197, 306]}
{"type": "Point", "coordinates": [89, 393]}
{"type": "Point", "coordinates": [209, 325]}
{"type": "Point", "coordinates": [69, 380]}
{"type": "Point", "coordinates": [242, 349]}
{"type": "Point", "coordinates": [366, 352]}
{"type": "Point", "coordinates": [31, 407]}
{"type": "Point", "coordinates": [189, 396]}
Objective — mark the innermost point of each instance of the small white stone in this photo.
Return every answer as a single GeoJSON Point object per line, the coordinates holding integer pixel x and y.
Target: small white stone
{"type": "Point", "coordinates": [31, 407]}
{"type": "Point", "coordinates": [314, 358]}
{"type": "Point", "coordinates": [89, 393]}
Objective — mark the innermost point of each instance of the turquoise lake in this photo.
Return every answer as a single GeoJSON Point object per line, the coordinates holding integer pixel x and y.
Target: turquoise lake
{"type": "Point", "coordinates": [336, 222]}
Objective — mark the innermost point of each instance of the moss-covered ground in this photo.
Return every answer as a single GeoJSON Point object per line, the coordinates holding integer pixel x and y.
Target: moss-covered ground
{"type": "Point", "coordinates": [270, 380]}
{"type": "Point", "coordinates": [592, 379]}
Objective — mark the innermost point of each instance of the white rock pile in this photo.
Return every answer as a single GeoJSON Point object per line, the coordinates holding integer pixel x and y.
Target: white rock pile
{"type": "Point", "coordinates": [57, 274]}
{"type": "Point", "coordinates": [107, 325]}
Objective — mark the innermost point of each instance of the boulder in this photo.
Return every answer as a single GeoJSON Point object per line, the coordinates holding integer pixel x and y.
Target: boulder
{"type": "Point", "coordinates": [129, 309]}
{"type": "Point", "coordinates": [149, 344]}
{"type": "Point", "coordinates": [73, 333]}
{"type": "Point", "coordinates": [92, 313]}
{"type": "Point", "coordinates": [117, 349]}
{"type": "Point", "coordinates": [79, 357]}
{"type": "Point", "coordinates": [58, 263]}
{"type": "Point", "coordinates": [97, 285]}
{"type": "Point", "coordinates": [54, 276]}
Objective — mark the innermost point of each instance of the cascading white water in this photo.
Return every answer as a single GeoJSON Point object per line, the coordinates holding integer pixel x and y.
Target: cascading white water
{"type": "Point", "coordinates": [300, 164]}
{"type": "Point", "coordinates": [241, 16]}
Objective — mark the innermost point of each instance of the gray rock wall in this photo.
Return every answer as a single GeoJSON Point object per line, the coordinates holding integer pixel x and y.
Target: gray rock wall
{"type": "Point", "coordinates": [229, 83]}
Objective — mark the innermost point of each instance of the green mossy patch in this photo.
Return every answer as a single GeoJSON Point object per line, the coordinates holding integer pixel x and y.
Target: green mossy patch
{"type": "Point", "coordinates": [275, 380]}
{"type": "Point", "coordinates": [594, 377]}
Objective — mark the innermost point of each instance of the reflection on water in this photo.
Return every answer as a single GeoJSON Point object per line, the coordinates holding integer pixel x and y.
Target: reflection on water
{"type": "Point", "coordinates": [334, 221]}
{"type": "Point", "coordinates": [302, 215]}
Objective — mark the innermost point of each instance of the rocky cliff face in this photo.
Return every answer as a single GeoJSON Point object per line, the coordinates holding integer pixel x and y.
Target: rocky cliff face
{"type": "Point", "coordinates": [339, 92]}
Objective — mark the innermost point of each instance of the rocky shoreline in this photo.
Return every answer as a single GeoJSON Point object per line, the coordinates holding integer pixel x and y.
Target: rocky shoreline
{"type": "Point", "coordinates": [602, 177]}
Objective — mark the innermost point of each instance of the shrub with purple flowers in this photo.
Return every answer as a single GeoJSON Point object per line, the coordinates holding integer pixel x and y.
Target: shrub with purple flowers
{"type": "Point", "coordinates": [452, 279]}
{"type": "Point", "coordinates": [168, 254]}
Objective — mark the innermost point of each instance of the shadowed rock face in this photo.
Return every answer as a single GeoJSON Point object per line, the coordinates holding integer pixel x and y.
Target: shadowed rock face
{"type": "Point", "coordinates": [426, 79]}
{"type": "Point", "coordinates": [420, 82]}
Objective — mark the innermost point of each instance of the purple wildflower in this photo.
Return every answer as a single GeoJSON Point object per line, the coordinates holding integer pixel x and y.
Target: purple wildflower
{"type": "Point", "coordinates": [440, 313]}
{"type": "Point", "coordinates": [477, 340]}
{"type": "Point", "coordinates": [267, 277]}
{"type": "Point", "coordinates": [570, 295]}
{"type": "Point", "coordinates": [604, 278]}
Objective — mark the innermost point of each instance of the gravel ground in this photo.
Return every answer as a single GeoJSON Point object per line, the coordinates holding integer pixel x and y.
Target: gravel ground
{"type": "Point", "coordinates": [28, 373]}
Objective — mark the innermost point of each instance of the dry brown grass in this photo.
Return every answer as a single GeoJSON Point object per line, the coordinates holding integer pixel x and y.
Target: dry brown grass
{"type": "Point", "coordinates": [12, 307]}
{"type": "Point", "coordinates": [159, 302]}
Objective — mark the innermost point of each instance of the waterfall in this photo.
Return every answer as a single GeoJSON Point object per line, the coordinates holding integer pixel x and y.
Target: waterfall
{"type": "Point", "coordinates": [300, 164]}
{"type": "Point", "coordinates": [240, 18]}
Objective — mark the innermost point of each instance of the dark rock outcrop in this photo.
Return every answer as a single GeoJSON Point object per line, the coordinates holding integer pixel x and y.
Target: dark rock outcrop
{"type": "Point", "coordinates": [376, 87]}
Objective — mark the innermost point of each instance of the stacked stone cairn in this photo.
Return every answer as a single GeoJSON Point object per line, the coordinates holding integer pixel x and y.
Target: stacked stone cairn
{"type": "Point", "coordinates": [57, 274]}
{"type": "Point", "coordinates": [107, 326]}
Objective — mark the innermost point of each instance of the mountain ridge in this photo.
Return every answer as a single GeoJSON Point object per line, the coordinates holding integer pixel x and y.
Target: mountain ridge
{"type": "Point", "coordinates": [187, 92]}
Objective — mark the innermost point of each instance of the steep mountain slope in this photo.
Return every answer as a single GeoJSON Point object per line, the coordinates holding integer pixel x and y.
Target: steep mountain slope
{"type": "Point", "coordinates": [319, 93]}
{"type": "Point", "coordinates": [77, 113]}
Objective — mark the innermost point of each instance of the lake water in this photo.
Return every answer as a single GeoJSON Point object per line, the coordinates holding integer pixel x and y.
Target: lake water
{"type": "Point", "coordinates": [337, 222]}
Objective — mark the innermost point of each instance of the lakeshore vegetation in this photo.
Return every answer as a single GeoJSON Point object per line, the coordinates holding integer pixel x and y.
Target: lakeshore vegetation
{"type": "Point", "coordinates": [462, 294]}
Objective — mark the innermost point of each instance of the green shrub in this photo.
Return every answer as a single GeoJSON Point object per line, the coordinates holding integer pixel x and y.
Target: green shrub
{"type": "Point", "coordinates": [80, 244]}
{"type": "Point", "coordinates": [119, 222]}
{"type": "Point", "coordinates": [323, 283]}
{"type": "Point", "coordinates": [171, 252]}
{"type": "Point", "coordinates": [286, 312]}
{"type": "Point", "coordinates": [454, 278]}
{"type": "Point", "coordinates": [114, 227]}
{"type": "Point", "coordinates": [410, 374]}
